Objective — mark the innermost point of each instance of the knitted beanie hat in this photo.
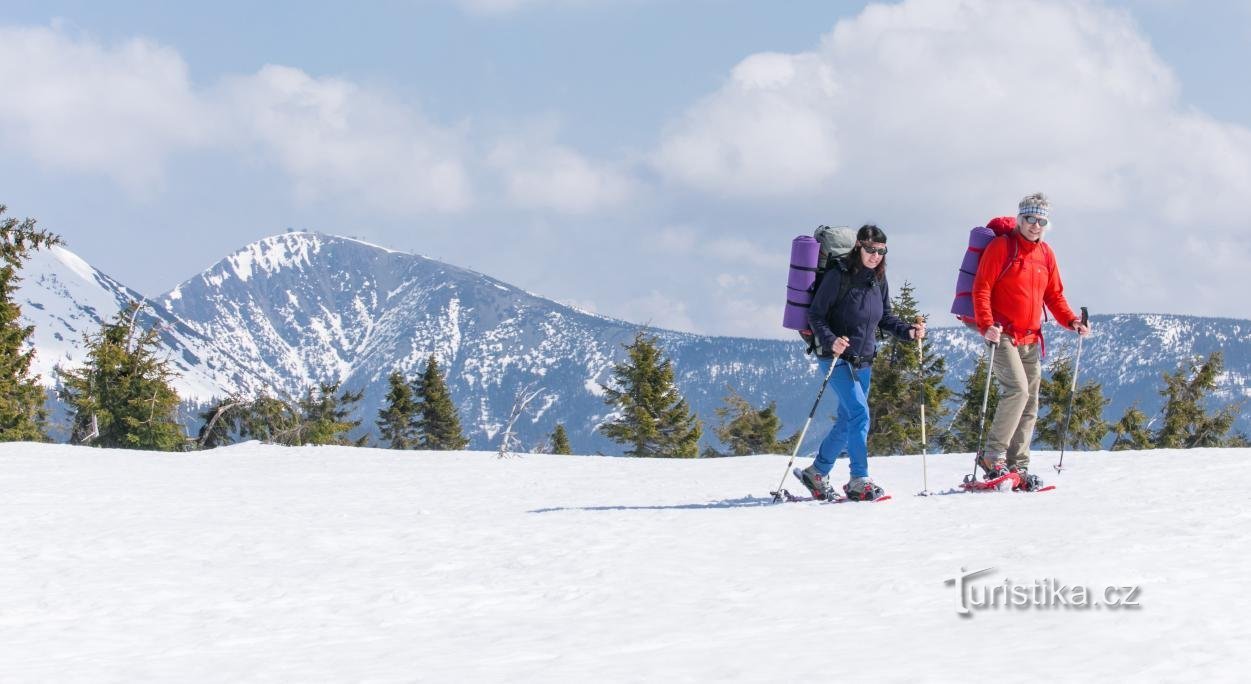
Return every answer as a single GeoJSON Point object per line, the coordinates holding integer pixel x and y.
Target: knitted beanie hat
{"type": "Point", "coordinates": [1036, 204]}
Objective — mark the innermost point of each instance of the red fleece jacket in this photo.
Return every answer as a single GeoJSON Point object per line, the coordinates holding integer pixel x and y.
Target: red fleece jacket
{"type": "Point", "coordinates": [1016, 299]}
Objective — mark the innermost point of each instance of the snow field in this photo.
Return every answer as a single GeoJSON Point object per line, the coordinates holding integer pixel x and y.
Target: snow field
{"type": "Point", "coordinates": [263, 563]}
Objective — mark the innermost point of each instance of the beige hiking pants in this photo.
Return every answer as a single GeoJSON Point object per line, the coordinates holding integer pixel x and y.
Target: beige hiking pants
{"type": "Point", "coordinates": [1018, 371]}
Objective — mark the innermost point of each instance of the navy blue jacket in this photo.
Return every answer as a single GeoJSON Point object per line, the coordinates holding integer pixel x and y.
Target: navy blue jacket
{"type": "Point", "coordinates": [865, 308]}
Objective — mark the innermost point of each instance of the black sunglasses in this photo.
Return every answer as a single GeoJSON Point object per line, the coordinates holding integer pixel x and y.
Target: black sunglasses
{"type": "Point", "coordinates": [873, 250]}
{"type": "Point", "coordinates": [1031, 219]}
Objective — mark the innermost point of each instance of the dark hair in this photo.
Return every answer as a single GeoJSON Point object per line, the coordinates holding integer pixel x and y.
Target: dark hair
{"type": "Point", "coordinates": [867, 233]}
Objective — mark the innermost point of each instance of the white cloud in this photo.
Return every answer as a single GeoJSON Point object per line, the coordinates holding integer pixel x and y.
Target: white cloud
{"type": "Point", "coordinates": [334, 137]}
{"type": "Point", "coordinates": [75, 104]}
{"type": "Point", "coordinates": [714, 247]}
{"type": "Point", "coordinates": [546, 175]}
{"type": "Point", "coordinates": [767, 132]}
{"type": "Point", "coordinates": [657, 310]}
{"type": "Point", "coordinates": [939, 114]}
{"type": "Point", "coordinates": [124, 110]}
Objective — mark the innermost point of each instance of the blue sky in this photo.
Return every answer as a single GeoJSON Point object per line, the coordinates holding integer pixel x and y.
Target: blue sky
{"type": "Point", "coordinates": [643, 159]}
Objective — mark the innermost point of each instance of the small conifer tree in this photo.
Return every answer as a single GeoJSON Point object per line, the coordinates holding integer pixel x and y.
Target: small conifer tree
{"type": "Point", "coordinates": [1086, 427]}
{"type": "Point", "coordinates": [121, 397]}
{"type": "Point", "coordinates": [221, 420]}
{"type": "Point", "coordinates": [962, 435]}
{"type": "Point", "coordinates": [271, 420]}
{"type": "Point", "coordinates": [747, 430]}
{"type": "Point", "coordinates": [325, 416]}
{"type": "Point", "coordinates": [654, 419]}
{"type": "Point", "coordinates": [900, 385]}
{"type": "Point", "coordinates": [1131, 431]}
{"type": "Point", "coordinates": [560, 441]}
{"type": "Point", "coordinates": [22, 413]}
{"type": "Point", "coordinates": [1187, 423]}
{"type": "Point", "coordinates": [397, 421]}
{"type": "Point", "coordinates": [438, 423]}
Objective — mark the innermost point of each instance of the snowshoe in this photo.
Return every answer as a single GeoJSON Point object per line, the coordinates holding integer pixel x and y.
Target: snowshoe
{"type": "Point", "coordinates": [816, 483]}
{"type": "Point", "coordinates": [1005, 482]}
{"type": "Point", "coordinates": [863, 489]}
{"type": "Point", "coordinates": [1029, 482]}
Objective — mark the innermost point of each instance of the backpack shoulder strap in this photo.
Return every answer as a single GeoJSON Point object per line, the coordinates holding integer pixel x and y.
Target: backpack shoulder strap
{"type": "Point", "coordinates": [1014, 250]}
{"type": "Point", "coordinates": [844, 279]}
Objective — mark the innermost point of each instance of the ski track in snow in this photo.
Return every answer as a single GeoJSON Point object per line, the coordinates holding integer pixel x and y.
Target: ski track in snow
{"type": "Point", "coordinates": [264, 563]}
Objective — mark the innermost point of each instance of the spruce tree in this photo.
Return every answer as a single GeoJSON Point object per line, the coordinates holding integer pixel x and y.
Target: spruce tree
{"type": "Point", "coordinates": [438, 423]}
{"type": "Point", "coordinates": [560, 441]}
{"type": "Point", "coordinates": [1131, 431]}
{"type": "Point", "coordinates": [220, 420]}
{"type": "Point", "coordinates": [397, 421]}
{"type": "Point", "coordinates": [1086, 425]}
{"type": "Point", "coordinates": [324, 416]}
{"type": "Point", "coordinates": [962, 435]}
{"type": "Point", "coordinates": [654, 419]}
{"type": "Point", "coordinates": [747, 430]}
{"type": "Point", "coordinates": [1186, 423]}
{"type": "Point", "coordinates": [1238, 440]}
{"type": "Point", "coordinates": [121, 397]}
{"type": "Point", "coordinates": [271, 420]}
{"type": "Point", "coordinates": [22, 413]}
{"type": "Point", "coordinates": [898, 385]}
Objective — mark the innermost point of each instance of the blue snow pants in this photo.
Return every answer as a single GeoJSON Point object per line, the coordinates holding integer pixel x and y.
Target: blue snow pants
{"type": "Point", "coordinates": [851, 427]}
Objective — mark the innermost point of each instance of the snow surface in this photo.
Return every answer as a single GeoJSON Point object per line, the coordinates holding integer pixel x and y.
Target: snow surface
{"type": "Point", "coordinates": [263, 563]}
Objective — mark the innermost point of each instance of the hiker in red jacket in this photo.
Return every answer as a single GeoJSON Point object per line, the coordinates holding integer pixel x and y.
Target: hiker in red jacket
{"type": "Point", "coordinates": [1016, 277]}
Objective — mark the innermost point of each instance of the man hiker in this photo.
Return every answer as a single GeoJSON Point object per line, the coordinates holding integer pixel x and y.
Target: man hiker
{"type": "Point", "coordinates": [1016, 276]}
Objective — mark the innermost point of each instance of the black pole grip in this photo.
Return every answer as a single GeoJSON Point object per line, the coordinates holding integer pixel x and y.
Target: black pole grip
{"type": "Point", "coordinates": [1085, 316]}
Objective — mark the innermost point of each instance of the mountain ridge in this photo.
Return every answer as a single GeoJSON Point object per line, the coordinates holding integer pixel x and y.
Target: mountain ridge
{"type": "Point", "coordinates": [295, 309]}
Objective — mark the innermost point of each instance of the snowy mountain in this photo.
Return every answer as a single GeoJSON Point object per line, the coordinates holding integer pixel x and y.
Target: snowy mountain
{"type": "Point", "coordinates": [300, 308]}
{"type": "Point", "coordinates": [65, 298]}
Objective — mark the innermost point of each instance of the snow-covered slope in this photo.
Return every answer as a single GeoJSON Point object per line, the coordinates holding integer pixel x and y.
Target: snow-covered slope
{"type": "Point", "coordinates": [262, 564]}
{"type": "Point", "coordinates": [65, 298]}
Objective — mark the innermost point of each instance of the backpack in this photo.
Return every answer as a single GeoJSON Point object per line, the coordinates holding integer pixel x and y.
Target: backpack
{"type": "Point", "coordinates": [811, 257]}
{"type": "Point", "coordinates": [979, 238]}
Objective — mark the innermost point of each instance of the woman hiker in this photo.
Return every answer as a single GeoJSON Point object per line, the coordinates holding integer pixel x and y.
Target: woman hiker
{"type": "Point", "coordinates": [851, 304]}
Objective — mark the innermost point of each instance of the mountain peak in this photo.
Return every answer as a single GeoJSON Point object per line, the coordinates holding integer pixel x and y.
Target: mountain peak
{"type": "Point", "coordinates": [292, 250]}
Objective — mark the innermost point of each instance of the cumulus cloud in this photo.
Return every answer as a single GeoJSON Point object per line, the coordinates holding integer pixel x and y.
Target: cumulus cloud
{"type": "Point", "coordinates": [332, 136]}
{"type": "Point", "coordinates": [657, 310]}
{"type": "Point", "coordinates": [767, 132]}
{"type": "Point", "coordinates": [124, 110]}
{"type": "Point", "coordinates": [73, 103]}
{"type": "Point", "coordinates": [712, 246]}
{"type": "Point", "coordinates": [547, 175]}
{"type": "Point", "coordinates": [942, 113]}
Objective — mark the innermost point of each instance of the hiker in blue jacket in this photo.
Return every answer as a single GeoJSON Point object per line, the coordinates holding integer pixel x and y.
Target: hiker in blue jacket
{"type": "Point", "coordinates": [851, 304]}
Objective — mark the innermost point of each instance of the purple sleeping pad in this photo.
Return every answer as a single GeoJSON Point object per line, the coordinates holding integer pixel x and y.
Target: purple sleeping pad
{"type": "Point", "coordinates": [979, 237]}
{"type": "Point", "coordinates": [804, 253]}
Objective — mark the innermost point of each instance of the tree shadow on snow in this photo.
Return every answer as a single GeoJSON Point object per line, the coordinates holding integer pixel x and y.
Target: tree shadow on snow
{"type": "Point", "coordinates": [743, 502]}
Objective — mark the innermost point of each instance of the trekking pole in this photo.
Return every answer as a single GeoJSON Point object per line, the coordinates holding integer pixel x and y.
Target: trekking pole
{"type": "Point", "coordinates": [778, 496]}
{"type": "Point", "coordinates": [981, 430]}
{"type": "Point", "coordinates": [1068, 415]}
{"type": "Point", "coordinates": [925, 473]}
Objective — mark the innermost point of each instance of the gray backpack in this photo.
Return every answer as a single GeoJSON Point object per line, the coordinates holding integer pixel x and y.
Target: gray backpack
{"type": "Point", "coordinates": [836, 243]}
